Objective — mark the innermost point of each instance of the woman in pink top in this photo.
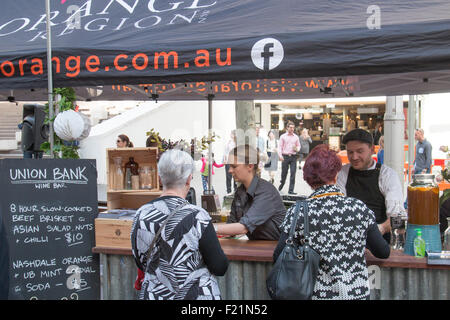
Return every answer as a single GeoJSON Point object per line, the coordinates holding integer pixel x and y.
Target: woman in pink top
{"type": "Point", "coordinates": [205, 171]}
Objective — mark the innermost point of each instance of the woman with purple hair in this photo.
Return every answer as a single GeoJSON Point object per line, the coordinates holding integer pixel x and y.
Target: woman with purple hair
{"type": "Point", "coordinates": [340, 228]}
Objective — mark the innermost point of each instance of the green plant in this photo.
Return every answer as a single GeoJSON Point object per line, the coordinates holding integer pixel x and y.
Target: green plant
{"type": "Point", "coordinates": [155, 138]}
{"type": "Point", "coordinates": [62, 149]}
{"type": "Point", "coordinates": [163, 144]}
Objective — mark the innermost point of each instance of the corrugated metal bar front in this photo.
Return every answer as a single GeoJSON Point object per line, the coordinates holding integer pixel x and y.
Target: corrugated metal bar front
{"type": "Point", "coordinates": [118, 275]}
{"type": "Point", "coordinates": [412, 284]}
{"type": "Point", "coordinates": [246, 280]}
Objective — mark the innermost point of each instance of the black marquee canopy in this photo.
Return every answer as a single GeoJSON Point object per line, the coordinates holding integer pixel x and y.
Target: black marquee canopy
{"type": "Point", "coordinates": [234, 49]}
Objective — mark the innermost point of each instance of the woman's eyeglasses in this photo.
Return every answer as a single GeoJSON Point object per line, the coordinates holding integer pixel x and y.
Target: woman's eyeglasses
{"type": "Point", "coordinates": [119, 141]}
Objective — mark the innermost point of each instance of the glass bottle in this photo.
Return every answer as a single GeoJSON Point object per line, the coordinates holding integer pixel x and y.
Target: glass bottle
{"type": "Point", "coordinates": [423, 200]}
{"type": "Point", "coordinates": [145, 178]}
{"type": "Point", "coordinates": [131, 169]}
{"type": "Point", "coordinates": [118, 176]}
{"type": "Point", "coordinates": [446, 246]}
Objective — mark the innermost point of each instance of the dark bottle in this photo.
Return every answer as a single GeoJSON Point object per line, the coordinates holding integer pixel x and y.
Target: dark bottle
{"type": "Point", "coordinates": [131, 169]}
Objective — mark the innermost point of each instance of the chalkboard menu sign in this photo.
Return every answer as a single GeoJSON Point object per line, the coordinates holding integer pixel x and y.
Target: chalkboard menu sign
{"type": "Point", "coordinates": [48, 208]}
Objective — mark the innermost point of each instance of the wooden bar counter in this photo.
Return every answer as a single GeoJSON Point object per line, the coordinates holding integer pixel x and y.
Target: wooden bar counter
{"type": "Point", "coordinates": [400, 277]}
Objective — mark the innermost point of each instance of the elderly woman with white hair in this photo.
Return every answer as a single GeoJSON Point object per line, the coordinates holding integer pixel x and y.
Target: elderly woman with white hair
{"type": "Point", "coordinates": [186, 255]}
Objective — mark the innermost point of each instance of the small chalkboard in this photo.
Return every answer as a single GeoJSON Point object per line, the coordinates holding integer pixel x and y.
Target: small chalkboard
{"type": "Point", "coordinates": [48, 207]}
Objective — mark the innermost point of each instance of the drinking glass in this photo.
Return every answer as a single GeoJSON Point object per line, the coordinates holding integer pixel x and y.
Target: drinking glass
{"type": "Point", "coordinates": [398, 226]}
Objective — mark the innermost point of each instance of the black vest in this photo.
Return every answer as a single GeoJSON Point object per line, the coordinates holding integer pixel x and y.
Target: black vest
{"type": "Point", "coordinates": [363, 185]}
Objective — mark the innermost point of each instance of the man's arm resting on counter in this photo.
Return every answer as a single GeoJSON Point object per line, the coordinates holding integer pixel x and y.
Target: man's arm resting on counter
{"type": "Point", "coordinates": [230, 229]}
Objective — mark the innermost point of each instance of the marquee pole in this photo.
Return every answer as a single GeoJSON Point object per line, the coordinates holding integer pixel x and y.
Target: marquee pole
{"type": "Point", "coordinates": [210, 133]}
{"type": "Point", "coordinates": [50, 77]}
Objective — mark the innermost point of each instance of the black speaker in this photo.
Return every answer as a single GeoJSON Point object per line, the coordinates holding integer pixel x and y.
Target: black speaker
{"type": "Point", "coordinates": [34, 130]}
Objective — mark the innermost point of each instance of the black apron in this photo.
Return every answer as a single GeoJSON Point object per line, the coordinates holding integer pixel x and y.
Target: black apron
{"type": "Point", "coordinates": [363, 185]}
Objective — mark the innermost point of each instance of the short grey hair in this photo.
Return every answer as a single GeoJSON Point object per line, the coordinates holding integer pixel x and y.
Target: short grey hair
{"type": "Point", "coordinates": [174, 168]}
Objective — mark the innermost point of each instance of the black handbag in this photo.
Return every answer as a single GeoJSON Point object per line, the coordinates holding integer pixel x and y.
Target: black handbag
{"type": "Point", "coordinates": [294, 274]}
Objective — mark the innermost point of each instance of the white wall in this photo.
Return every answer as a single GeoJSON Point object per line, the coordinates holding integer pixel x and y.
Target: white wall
{"type": "Point", "coordinates": [173, 120]}
{"type": "Point", "coordinates": [436, 121]}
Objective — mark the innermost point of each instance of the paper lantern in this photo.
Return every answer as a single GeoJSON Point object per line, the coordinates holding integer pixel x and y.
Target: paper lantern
{"type": "Point", "coordinates": [70, 125]}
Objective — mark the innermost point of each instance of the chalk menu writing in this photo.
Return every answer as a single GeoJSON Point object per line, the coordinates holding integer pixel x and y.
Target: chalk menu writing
{"type": "Point", "coordinates": [48, 208]}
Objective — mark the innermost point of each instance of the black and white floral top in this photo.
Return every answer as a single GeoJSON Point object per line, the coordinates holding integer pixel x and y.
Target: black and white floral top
{"type": "Point", "coordinates": [177, 268]}
{"type": "Point", "coordinates": [338, 232]}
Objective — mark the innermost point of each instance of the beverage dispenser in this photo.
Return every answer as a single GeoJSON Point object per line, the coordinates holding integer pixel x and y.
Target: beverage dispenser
{"type": "Point", "coordinates": [423, 213]}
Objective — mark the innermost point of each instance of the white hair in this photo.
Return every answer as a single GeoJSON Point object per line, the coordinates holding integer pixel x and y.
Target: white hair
{"type": "Point", "coordinates": [174, 168]}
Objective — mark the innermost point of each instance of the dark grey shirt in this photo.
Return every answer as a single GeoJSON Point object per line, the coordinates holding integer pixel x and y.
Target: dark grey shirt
{"type": "Point", "coordinates": [423, 155]}
{"type": "Point", "coordinates": [260, 209]}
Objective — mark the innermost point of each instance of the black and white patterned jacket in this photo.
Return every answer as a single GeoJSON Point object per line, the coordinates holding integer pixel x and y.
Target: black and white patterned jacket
{"type": "Point", "coordinates": [338, 232]}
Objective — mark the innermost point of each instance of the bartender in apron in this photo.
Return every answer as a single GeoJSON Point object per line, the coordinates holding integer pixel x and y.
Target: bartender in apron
{"type": "Point", "coordinates": [378, 186]}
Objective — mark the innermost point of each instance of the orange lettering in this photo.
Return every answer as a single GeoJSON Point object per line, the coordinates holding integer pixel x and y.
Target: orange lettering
{"type": "Point", "coordinates": [204, 57]}
{"type": "Point", "coordinates": [225, 88]}
{"type": "Point", "coordinates": [200, 86]}
{"type": "Point", "coordinates": [92, 63]}
{"type": "Point", "coordinates": [143, 56]}
{"type": "Point", "coordinates": [166, 56]}
{"type": "Point", "coordinates": [246, 84]}
{"type": "Point", "coordinates": [116, 62]}
{"type": "Point", "coordinates": [21, 64]}
{"type": "Point", "coordinates": [58, 64]}
{"type": "Point", "coordinates": [11, 67]}
{"type": "Point", "coordinates": [75, 70]}
{"type": "Point", "coordinates": [227, 60]}
{"type": "Point", "coordinates": [38, 68]}
{"type": "Point", "coordinates": [311, 84]}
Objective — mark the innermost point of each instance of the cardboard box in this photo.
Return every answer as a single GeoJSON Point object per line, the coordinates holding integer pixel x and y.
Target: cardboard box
{"type": "Point", "coordinates": [113, 233]}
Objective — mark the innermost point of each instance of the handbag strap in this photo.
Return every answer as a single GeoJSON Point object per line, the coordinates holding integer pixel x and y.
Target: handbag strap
{"type": "Point", "coordinates": [156, 238]}
{"type": "Point", "coordinates": [290, 238]}
{"type": "Point", "coordinates": [295, 219]}
{"type": "Point", "coordinates": [306, 223]}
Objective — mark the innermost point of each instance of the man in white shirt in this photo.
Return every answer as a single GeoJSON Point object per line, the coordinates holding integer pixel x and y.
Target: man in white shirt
{"type": "Point", "coordinates": [378, 186]}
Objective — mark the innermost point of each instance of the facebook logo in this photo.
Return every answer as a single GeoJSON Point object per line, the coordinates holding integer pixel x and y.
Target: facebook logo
{"type": "Point", "coordinates": [267, 54]}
